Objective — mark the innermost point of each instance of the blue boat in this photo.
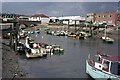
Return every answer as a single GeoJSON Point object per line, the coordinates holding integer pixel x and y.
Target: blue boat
{"type": "Point", "coordinates": [106, 67]}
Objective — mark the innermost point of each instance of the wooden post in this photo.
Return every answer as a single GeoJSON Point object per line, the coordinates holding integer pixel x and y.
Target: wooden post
{"type": "Point", "coordinates": [11, 37]}
{"type": "Point", "coordinates": [75, 25]}
{"type": "Point", "coordinates": [16, 34]}
{"type": "Point", "coordinates": [68, 25]}
{"type": "Point", "coordinates": [91, 25]}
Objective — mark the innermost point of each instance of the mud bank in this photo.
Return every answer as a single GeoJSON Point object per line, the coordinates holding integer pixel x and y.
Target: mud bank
{"type": "Point", "coordinates": [10, 65]}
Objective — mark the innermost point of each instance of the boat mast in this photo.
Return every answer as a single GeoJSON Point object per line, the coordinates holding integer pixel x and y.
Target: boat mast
{"type": "Point", "coordinates": [105, 31]}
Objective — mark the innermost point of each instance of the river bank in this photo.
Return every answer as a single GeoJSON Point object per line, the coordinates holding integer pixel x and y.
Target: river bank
{"type": "Point", "coordinates": [10, 65]}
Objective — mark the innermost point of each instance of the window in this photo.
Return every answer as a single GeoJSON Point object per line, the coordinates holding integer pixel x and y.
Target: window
{"type": "Point", "coordinates": [106, 65]}
{"type": "Point", "coordinates": [115, 68]}
{"type": "Point", "coordinates": [104, 16]}
{"type": "Point", "coordinates": [99, 16]}
{"type": "Point", "coordinates": [109, 16]}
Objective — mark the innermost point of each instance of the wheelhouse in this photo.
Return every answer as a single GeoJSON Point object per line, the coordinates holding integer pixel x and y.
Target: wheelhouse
{"type": "Point", "coordinates": [111, 65]}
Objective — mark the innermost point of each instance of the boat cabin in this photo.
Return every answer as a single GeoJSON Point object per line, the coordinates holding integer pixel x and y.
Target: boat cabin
{"type": "Point", "coordinates": [108, 64]}
{"type": "Point", "coordinates": [30, 42]}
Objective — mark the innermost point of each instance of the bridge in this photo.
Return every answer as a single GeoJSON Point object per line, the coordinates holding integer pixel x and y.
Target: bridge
{"type": "Point", "coordinates": [26, 23]}
{"type": "Point", "coordinates": [14, 28]}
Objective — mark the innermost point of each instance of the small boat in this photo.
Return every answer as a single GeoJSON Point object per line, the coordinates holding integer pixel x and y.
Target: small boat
{"type": "Point", "coordinates": [20, 47]}
{"type": "Point", "coordinates": [48, 32]}
{"type": "Point", "coordinates": [28, 32]}
{"type": "Point", "coordinates": [37, 31]}
{"type": "Point", "coordinates": [84, 35]}
{"type": "Point", "coordinates": [63, 33]}
{"type": "Point", "coordinates": [48, 48]}
{"type": "Point", "coordinates": [22, 35]}
{"type": "Point", "coordinates": [105, 38]}
{"type": "Point", "coordinates": [45, 28]}
{"type": "Point", "coordinates": [57, 33]}
{"type": "Point", "coordinates": [71, 34]}
{"type": "Point", "coordinates": [108, 39]}
{"type": "Point", "coordinates": [33, 49]}
{"type": "Point", "coordinates": [106, 67]}
{"type": "Point", "coordinates": [57, 49]}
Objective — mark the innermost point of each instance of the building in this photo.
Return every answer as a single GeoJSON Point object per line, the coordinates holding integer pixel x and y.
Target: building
{"type": "Point", "coordinates": [111, 18]}
{"type": "Point", "coordinates": [24, 18]}
{"type": "Point", "coordinates": [71, 19]}
{"type": "Point", "coordinates": [54, 19]}
{"type": "Point", "coordinates": [90, 17]}
{"type": "Point", "coordinates": [39, 17]}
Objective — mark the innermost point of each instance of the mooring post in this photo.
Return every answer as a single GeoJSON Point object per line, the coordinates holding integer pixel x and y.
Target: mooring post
{"type": "Point", "coordinates": [16, 36]}
{"type": "Point", "coordinates": [75, 25]}
{"type": "Point", "coordinates": [68, 25]}
{"type": "Point", "coordinates": [90, 30]}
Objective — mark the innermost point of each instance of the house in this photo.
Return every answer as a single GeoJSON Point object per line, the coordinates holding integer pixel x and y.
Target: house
{"type": "Point", "coordinates": [71, 19]}
{"type": "Point", "coordinates": [90, 17]}
{"type": "Point", "coordinates": [54, 19]}
{"type": "Point", "coordinates": [111, 18]}
{"type": "Point", "coordinates": [39, 17]}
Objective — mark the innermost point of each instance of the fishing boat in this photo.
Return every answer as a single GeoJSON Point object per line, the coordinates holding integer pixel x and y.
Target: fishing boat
{"type": "Point", "coordinates": [71, 34]}
{"type": "Point", "coordinates": [48, 32]}
{"type": "Point", "coordinates": [57, 49]}
{"type": "Point", "coordinates": [22, 35]}
{"type": "Point", "coordinates": [63, 33]}
{"type": "Point", "coordinates": [57, 33]}
{"type": "Point", "coordinates": [20, 47]}
{"type": "Point", "coordinates": [108, 39]}
{"type": "Point", "coordinates": [47, 47]}
{"type": "Point", "coordinates": [105, 38]}
{"type": "Point", "coordinates": [33, 49]}
{"type": "Point", "coordinates": [106, 67]}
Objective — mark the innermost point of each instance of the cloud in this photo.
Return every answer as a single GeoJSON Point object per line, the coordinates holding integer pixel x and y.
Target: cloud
{"type": "Point", "coordinates": [60, 1]}
{"type": "Point", "coordinates": [58, 8]}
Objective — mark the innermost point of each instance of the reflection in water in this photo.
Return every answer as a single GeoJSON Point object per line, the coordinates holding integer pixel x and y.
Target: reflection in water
{"type": "Point", "coordinates": [70, 64]}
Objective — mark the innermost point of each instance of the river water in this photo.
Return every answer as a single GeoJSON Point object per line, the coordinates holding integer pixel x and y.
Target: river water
{"type": "Point", "coordinates": [69, 65]}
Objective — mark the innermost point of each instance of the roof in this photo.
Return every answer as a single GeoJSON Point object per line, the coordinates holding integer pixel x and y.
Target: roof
{"type": "Point", "coordinates": [72, 18]}
{"type": "Point", "coordinates": [40, 15]}
{"type": "Point", "coordinates": [113, 58]}
{"type": "Point", "coordinates": [110, 58]}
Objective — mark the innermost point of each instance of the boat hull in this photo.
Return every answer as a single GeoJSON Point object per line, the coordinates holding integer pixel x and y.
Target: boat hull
{"type": "Point", "coordinates": [107, 39]}
{"type": "Point", "coordinates": [32, 55]}
{"type": "Point", "coordinates": [97, 74]}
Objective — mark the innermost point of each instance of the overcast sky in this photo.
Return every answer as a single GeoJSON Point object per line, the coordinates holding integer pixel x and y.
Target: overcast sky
{"type": "Point", "coordinates": [58, 8]}
{"type": "Point", "coordinates": [59, 0]}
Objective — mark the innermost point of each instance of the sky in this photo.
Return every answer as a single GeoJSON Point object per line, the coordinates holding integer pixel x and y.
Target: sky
{"type": "Point", "coordinates": [59, 0]}
{"type": "Point", "coordinates": [58, 8]}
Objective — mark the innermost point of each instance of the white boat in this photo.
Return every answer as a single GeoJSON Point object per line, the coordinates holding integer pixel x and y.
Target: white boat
{"type": "Point", "coordinates": [49, 49]}
{"type": "Point", "coordinates": [107, 39]}
{"type": "Point", "coordinates": [57, 33]}
{"type": "Point", "coordinates": [33, 49]}
{"type": "Point", "coordinates": [104, 68]}
{"type": "Point", "coordinates": [71, 34]}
